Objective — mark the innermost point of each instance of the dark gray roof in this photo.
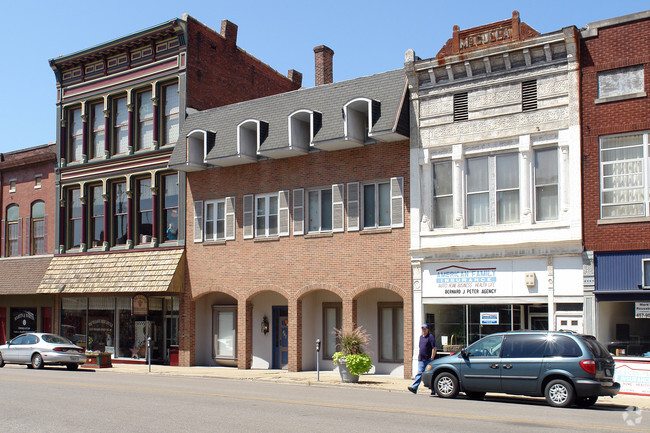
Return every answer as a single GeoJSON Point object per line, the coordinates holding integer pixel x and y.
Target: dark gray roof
{"type": "Point", "coordinates": [388, 88]}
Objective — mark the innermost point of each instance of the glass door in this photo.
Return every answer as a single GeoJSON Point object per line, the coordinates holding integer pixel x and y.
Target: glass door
{"type": "Point", "coordinates": [224, 332]}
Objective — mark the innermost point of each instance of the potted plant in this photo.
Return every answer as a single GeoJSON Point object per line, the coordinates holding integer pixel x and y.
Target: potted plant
{"type": "Point", "coordinates": [351, 359]}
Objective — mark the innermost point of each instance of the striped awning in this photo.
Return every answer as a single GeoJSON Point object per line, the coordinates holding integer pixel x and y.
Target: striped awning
{"type": "Point", "coordinates": [116, 272]}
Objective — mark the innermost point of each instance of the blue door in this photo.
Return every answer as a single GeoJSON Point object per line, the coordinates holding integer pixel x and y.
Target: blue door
{"type": "Point", "coordinates": [280, 337]}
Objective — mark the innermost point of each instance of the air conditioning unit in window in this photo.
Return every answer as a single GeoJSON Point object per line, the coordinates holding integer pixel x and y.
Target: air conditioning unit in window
{"type": "Point", "coordinates": [530, 279]}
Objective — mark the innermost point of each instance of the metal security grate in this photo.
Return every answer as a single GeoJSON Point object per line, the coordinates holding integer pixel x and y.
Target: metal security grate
{"type": "Point", "coordinates": [529, 95]}
{"type": "Point", "coordinates": [460, 107]}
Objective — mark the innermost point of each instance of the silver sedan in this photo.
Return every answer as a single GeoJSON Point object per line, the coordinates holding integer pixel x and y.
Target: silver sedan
{"type": "Point", "coordinates": [37, 349]}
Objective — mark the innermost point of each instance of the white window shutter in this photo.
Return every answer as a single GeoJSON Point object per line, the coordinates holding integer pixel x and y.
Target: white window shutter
{"type": "Point", "coordinates": [298, 211]}
{"type": "Point", "coordinates": [248, 216]}
{"type": "Point", "coordinates": [198, 221]}
{"type": "Point", "coordinates": [338, 216]}
{"type": "Point", "coordinates": [353, 206]}
{"type": "Point", "coordinates": [397, 202]}
{"type": "Point", "coordinates": [230, 218]}
{"type": "Point", "coordinates": [283, 209]}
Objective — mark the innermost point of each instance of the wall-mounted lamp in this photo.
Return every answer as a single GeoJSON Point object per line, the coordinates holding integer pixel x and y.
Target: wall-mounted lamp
{"type": "Point", "coordinates": [265, 325]}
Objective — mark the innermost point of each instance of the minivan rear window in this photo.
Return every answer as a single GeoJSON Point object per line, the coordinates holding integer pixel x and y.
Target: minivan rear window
{"type": "Point", "coordinates": [561, 345]}
{"type": "Point", "coordinates": [598, 350]}
{"type": "Point", "coordinates": [524, 346]}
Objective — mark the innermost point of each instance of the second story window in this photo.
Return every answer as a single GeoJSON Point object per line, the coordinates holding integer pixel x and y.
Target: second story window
{"type": "Point", "coordinates": [75, 135]}
{"type": "Point", "coordinates": [12, 231]}
{"type": "Point", "coordinates": [96, 201]}
{"type": "Point", "coordinates": [266, 215]}
{"type": "Point", "coordinates": [623, 175]}
{"type": "Point", "coordinates": [442, 194]}
{"type": "Point", "coordinates": [170, 107]}
{"type": "Point", "coordinates": [74, 218]}
{"type": "Point", "coordinates": [215, 220]}
{"type": "Point", "coordinates": [170, 207]}
{"type": "Point", "coordinates": [145, 121]}
{"type": "Point", "coordinates": [37, 241]}
{"type": "Point", "coordinates": [546, 184]}
{"type": "Point", "coordinates": [144, 216]}
{"type": "Point", "coordinates": [376, 205]}
{"type": "Point", "coordinates": [120, 126]}
{"type": "Point", "coordinates": [97, 135]}
{"type": "Point", "coordinates": [319, 210]}
{"type": "Point", "coordinates": [120, 218]}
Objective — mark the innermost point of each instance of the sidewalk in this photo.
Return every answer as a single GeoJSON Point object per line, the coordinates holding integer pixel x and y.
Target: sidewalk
{"type": "Point", "coordinates": [327, 378]}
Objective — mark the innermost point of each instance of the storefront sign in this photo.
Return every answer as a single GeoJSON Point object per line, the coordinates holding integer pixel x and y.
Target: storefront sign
{"type": "Point", "coordinates": [634, 377]}
{"type": "Point", "coordinates": [642, 310]}
{"type": "Point", "coordinates": [140, 305]}
{"type": "Point", "coordinates": [465, 281]}
{"type": "Point", "coordinates": [22, 320]}
{"type": "Point", "coordinates": [490, 318]}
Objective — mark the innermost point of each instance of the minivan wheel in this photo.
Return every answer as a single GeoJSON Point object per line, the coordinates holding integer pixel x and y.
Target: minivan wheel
{"type": "Point", "coordinates": [586, 401]}
{"type": "Point", "coordinates": [475, 395]}
{"type": "Point", "coordinates": [37, 360]}
{"type": "Point", "coordinates": [559, 393]}
{"type": "Point", "coordinates": [2, 361]}
{"type": "Point", "coordinates": [446, 385]}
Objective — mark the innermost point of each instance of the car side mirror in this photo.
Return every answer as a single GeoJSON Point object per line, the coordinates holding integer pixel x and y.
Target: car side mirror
{"type": "Point", "coordinates": [463, 353]}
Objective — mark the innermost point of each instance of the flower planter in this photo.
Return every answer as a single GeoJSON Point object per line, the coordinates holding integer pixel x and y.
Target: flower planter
{"type": "Point", "coordinates": [99, 361]}
{"type": "Point", "coordinates": [346, 376]}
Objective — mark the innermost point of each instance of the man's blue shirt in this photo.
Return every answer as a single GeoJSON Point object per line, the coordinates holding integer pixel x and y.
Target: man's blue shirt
{"type": "Point", "coordinates": [426, 347]}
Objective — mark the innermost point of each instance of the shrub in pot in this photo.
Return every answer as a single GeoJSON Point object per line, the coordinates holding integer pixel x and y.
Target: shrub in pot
{"type": "Point", "coordinates": [351, 359]}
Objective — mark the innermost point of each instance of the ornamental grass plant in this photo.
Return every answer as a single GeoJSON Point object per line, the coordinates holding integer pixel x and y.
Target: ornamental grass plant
{"type": "Point", "coordinates": [352, 350]}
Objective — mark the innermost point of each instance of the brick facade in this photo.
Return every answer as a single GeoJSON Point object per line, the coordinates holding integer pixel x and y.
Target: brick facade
{"type": "Point", "coordinates": [615, 46]}
{"type": "Point", "coordinates": [346, 265]}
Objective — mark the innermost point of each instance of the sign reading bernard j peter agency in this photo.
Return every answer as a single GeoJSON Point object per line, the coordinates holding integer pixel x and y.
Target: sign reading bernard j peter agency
{"type": "Point", "coordinates": [487, 279]}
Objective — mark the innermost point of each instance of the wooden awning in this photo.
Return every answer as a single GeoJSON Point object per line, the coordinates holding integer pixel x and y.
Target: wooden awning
{"type": "Point", "coordinates": [116, 272]}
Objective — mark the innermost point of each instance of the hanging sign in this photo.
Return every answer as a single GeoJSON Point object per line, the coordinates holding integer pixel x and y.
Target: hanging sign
{"type": "Point", "coordinates": [139, 305]}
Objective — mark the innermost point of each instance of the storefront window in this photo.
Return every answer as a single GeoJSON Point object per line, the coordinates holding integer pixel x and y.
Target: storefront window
{"type": "Point", "coordinates": [447, 324]}
{"type": "Point", "coordinates": [73, 320]}
{"type": "Point", "coordinates": [126, 329]}
{"type": "Point", "coordinates": [101, 323]}
{"type": "Point", "coordinates": [623, 327]}
{"type": "Point", "coordinates": [488, 319]}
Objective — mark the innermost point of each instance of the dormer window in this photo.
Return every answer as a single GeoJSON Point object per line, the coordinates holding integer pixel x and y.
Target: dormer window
{"type": "Point", "coordinates": [197, 147]}
{"type": "Point", "coordinates": [250, 135]}
{"type": "Point", "coordinates": [303, 125]}
{"type": "Point", "coordinates": [358, 115]}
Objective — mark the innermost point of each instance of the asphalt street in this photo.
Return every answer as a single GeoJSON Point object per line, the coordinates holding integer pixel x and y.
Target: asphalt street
{"type": "Point", "coordinates": [57, 400]}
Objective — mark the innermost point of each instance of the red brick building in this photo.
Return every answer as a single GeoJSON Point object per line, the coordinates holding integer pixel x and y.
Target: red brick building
{"type": "Point", "coordinates": [298, 206]}
{"type": "Point", "coordinates": [615, 116]}
{"type": "Point", "coordinates": [27, 239]}
{"type": "Point", "coordinates": [118, 272]}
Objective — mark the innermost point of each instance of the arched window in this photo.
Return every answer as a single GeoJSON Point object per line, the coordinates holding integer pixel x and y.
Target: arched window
{"type": "Point", "coordinates": [37, 241]}
{"type": "Point", "coordinates": [12, 231]}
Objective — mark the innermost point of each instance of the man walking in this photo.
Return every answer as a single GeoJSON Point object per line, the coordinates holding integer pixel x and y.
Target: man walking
{"type": "Point", "coordinates": [427, 354]}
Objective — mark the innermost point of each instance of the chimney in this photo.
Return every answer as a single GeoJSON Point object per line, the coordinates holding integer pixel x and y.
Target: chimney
{"type": "Point", "coordinates": [324, 57]}
{"type": "Point", "coordinates": [229, 31]}
{"type": "Point", "coordinates": [295, 77]}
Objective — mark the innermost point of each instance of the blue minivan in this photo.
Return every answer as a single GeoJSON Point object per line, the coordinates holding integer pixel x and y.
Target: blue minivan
{"type": "Point", "coordinates": [562, 366]}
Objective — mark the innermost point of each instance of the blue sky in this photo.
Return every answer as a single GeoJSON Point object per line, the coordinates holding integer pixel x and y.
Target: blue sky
{"type": "Point", "coordinates": [367, 37]}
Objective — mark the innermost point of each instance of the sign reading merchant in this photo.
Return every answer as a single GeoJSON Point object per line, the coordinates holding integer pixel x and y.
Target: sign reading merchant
{"type": "Point", "coordinates": [22, 320]}
{"type": "Point", "coordinates": [140, 305]}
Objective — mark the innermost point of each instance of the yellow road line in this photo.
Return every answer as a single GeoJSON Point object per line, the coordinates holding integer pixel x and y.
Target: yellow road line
{"type": "Point", "coordinates": [545, 423]}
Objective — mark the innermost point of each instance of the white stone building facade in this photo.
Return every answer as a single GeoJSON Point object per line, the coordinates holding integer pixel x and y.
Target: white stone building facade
{"type": "Point", "coordinates": [495, 175]}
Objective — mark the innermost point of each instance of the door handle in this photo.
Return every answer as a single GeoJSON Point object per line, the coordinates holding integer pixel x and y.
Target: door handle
{"type": "Point", "coordinates": [507, 366]}
{"type": "Point", "coordinates": [494, 365]}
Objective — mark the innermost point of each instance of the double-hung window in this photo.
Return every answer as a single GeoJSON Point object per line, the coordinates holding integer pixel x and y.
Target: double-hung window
{"type": "Point", "coordinates": [319, 212]}
{"type": "Point", "coordinates": [74, 218]}
{"type": "Point", "coordinates": [170, 207]}
{"type": "Point", "coordinates": [144, 216]}
{"type": "Point", "coordinates": [97, 136]}
{"type": "Point", "coordinates": [145, 121]}
{"type": "Point", "coordinates": [266, 215]}
{"type": "Point", "coordinates": [442, 194]}
{"type": "Point", "coordinates": [170, 111]}
{"type": "Point", "coordinates": [37, 241]}
{"type": "Point", "coordinates": [493, 189]}
{"type": "Point", "coordinates": [120, 219]}
{"type": "Point", "coordinates": [75, 135]}
{"type": "Point", "coordinates": [624, 175]}
{"type": "Point", "coordinates": [546, 184]}
{"type": "Point", "coordinates": [215, 220]}
{"type": "Point", "coordinates": [12, 231]}
{"type": "Point", "coordinates": [376, 205]}
{"type": "Point", "coordinates": [120, 126]}
{"type": "Point", "coordinates": [96, 216]}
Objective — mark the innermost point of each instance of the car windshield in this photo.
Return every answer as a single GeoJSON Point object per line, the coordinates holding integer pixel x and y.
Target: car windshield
{"type": "Point", "coordinates": [55, 339]}
{"type": "Point", "coordinates": [596, 348]}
